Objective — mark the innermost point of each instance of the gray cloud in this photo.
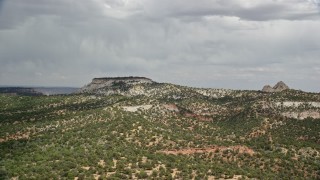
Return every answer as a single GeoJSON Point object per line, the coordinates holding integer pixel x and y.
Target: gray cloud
{"type": "Point", "coordinates": [232, 44]}
{"type": "Point", "coordinates": [248, 10]}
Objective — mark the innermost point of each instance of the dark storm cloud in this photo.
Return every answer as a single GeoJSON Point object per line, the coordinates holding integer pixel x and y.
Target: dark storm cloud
{"type": "Point", "coordinates": [209, 43]}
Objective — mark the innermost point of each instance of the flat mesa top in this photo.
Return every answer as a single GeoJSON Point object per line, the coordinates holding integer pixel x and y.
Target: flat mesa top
{"type": "Point", "coordinates": [121, 78]}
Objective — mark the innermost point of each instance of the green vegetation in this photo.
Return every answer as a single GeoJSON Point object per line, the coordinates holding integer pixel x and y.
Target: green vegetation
{"type": "Point", "coordinates": [172, 132]}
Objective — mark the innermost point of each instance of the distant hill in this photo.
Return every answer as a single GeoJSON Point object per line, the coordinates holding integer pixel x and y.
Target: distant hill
{"type": "Point", "coordinates": [55, 90]}
{"type": "Point", "coordinates": [37, 91]}
{"type": "Point", "coordinates": [19, 91]}
{"type": "Point", "coordinates": [280, 86]}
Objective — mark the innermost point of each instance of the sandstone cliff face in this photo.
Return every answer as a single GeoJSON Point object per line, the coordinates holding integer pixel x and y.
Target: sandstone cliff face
{"type": "Point", "coordinates": [280, 86]}
{"type": "Point", "coordinates": [113, 84]}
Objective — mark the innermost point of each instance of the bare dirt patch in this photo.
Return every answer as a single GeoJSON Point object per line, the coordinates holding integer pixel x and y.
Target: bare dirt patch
{"type": "Point", "coordinates": [102, 163]}
{"type": "Point", "coordinates": [85, 167]}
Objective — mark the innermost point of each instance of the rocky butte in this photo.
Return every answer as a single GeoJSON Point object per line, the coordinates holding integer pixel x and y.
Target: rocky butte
{"type": "Point", "coordinates": [109, 82]}
{"type": "Point", "coordinates": [280, 86]}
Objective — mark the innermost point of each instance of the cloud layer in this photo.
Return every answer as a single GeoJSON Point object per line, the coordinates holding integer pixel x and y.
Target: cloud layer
{"type": "Point", "coordinates": [209, 43]}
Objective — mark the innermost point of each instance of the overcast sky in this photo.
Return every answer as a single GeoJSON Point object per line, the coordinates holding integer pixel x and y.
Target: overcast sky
{"type": "Point", "coordinates": [238, 44]}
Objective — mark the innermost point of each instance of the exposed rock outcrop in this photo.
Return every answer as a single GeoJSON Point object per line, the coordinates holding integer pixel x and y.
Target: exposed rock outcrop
{"type": "Point", "coordinates": [111, 84]}
{"type": "Point", "coordinates": [280, 86]}
{"type": "Point", "coordinates": [302, 115]}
